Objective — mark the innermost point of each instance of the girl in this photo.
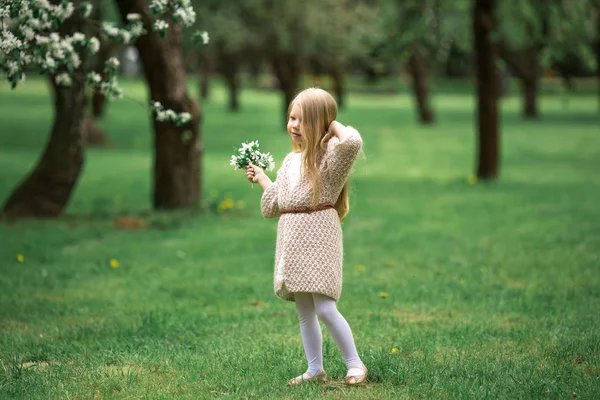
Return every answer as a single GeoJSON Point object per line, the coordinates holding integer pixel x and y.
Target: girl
{"type": "Point", "coordinates": [311, 196]}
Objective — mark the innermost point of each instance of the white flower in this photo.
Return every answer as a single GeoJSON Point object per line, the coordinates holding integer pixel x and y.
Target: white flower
{"type": "Point", "coordinates": [133, 17]}
{"type": "Point", "coordinates": [27, 32]}
{"type": "Point", "coordinates": [50, 62]}
{"type": "Point", "coordinates": [159, 6]}
{"type": "Point", "coordinates": [95, 77]}
{"type": "Point", "coordinates": [161, 116]}
{"type": "Point", "coordinates": [42, 39]}
{"type": "Point", "coordinates": [125, 36]}
{"type": "Point", "coordinates": [34, 23]}
{"type": "Point", "coordinates": [185, 117]}
{"type": "Point", "coordinates": [250, 153]}
{"type": "Point", "coordinates": [75, 60]}
{"type": "Point", "coordinates": [160, 25]}
{"type": "Point", "coordinates": [78, 37]}
{"type": "Point", "coordinates": [110, 30]}
{"type": "Point", "coordinates": [94, 45]}
{"type": "Point", "coordinates": [13, 67]}
{"type": "Point", "coordinates": [4, 11]}
{"type": "Point", "coordinates": [87, 10]}
{"type": "Point", "coordinates": [113, 62]}
{"type": "Point", "coordinates": [63, 79]}
{"type": "Point", "coordinates": [9, 42]}
{"type": "Point", "coordinates": [205, 37]}
{"type": "Point", "coordinates": [43, 4]}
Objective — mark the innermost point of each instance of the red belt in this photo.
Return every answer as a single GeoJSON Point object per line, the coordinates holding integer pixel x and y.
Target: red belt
{"type": "Point", "coordinates": [308, 210]}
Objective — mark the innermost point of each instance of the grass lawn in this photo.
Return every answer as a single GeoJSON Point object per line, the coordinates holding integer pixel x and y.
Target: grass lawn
{"type": "Point", "coordinates": [452, 289]}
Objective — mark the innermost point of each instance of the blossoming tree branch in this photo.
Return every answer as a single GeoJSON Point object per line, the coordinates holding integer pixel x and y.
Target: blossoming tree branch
{"type": "Point", "coordinates": [36, 43]}
{"type": "Point", "coordinates": [58, 38]}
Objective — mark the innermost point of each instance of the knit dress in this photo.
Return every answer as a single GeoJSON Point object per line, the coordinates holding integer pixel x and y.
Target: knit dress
{"type": "Point", "coordinates": [309, 248]}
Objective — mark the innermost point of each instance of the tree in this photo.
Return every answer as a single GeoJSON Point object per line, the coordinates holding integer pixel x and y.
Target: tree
{"type": "Point", "coordinates": [341, 31]}
{"type": "Point", "coordinates": [231, 43]}
{"type": "Point", "coordinates": [30, 38]}
{"type": "Point", "coordinates": [421, 34]}
{"type": "Point", "coordinates": [532, 35]}
{"type": "Point", "coordinates": [177, 149]}
{"type": "Point", "coordinates": [484, 24]}
{"type": "Point", "coordinates": [47, 189]}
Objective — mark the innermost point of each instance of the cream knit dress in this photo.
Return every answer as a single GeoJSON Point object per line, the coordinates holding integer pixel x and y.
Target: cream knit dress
{"type": "Point", "coordinates": [309, 250]}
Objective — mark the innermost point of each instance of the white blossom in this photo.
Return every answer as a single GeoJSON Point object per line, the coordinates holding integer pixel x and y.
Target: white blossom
{"type": "Point", "coordinates": [13, 67]}
{"type": "Point", "coordinates": [75, 60]}
{"type": "Point", "coordinates": [113, 62]}
{"type": "Point", "coordinates": [43, 4]}
{"type": "Point", "coordinates": [94, 77]}
{"type": "Point", "coordinates": [125, 37]}
{"type": "Point", "coordinates": [27, 31]}
{"type": "Point", "coordinates": [42, 39]}
{"type": "Point", "coordinates": [205, 38]}
{"type": "Point", "coordinates": [35, 40]}
{"type": "Point", "coordinates": [9, 42]}
{"type": "Point", "coordinates": [160, 25]}
{"type": "Point", "coordinates": [94, 45]}
{"type": "Point", "coordinates": [4, 12]}
{"type": "Point", "coordinates": [185, 117]}
{"type": "Point", "coordinates": [250, 153]}
{"type": "Point", "coordinates": [159, 6]}
{"type": "Point", "coordinates": [63, 79]}
{"type": "Point", "coordinates": [110, 30]}
{"type": "Point", "coordinates": [78, 37]}
{"type": "Point", "coordinates": [87, 10]}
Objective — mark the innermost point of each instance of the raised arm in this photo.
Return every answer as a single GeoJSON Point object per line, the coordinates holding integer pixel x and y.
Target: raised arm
{"type": "Point", "coordinates": [343, 148]}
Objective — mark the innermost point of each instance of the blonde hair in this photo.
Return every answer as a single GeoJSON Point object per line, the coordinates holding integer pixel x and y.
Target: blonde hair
{"type": "Point", "coordinates": [319, 109]}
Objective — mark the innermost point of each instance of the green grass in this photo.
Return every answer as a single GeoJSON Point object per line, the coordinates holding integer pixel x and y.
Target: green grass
{"type": "Point", "coordinates": [493, 289]}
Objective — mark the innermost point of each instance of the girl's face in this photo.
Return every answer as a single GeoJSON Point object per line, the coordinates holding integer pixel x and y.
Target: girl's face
{"type": "Point", "coordinates": [294, 122]}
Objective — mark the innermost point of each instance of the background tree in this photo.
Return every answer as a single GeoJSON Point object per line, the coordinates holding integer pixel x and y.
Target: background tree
{"type": "Point", "coordinates": [232, 43]}
{"type": "Point", "coordinates": [30, 38]}
{"type": "Point", "coordinates": [484, 24]}
{"type": "Point", "coordinates": [47, 189]}
{"type": "Point", "coordinates": [533, 34]}
{"type": "Point", "coordinates": [341, 32]}
{"type": "Point", "coordinates": [177, 149]}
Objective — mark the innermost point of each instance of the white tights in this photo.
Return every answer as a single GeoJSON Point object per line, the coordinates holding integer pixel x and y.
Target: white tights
{"type": "Point", "coordinates": [313, 307]}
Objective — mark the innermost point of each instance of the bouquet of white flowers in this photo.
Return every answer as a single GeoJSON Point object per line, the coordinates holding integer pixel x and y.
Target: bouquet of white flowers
{"type": "Point", "coordinates": [250, 153]}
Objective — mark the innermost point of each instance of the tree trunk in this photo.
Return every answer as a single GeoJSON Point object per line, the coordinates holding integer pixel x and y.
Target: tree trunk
{"type": "Point", "coordinates": [229, 65]}
{"type": "Point", "coordinates": [338, 87]}
{"type": "Point", "coordinates": [106, 49]}
{"type": "Point", "coordinates": [524, 63]}
{"type": "Point", "coordinates": [487, 89]}
{"type": "Point", "coordinates": [177, 150]}
{"type": "Point", "coordinates": [597, 45]}
{"type": "Point", "coordinates": [47, 190]}
{"type": "Point", "coordinates": [418, 71]}
{"type": "Point", "coordinates": [530, 97]}
{"type": "Point", "coordinates": [288, 69]}
{"type": "Point", "coordinates": [93, 135]}
{"type": "Point", "coordinates": [207, 66]}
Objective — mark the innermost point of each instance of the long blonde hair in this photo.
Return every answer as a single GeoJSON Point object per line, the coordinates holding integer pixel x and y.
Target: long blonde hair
{"type": "Point", "coordinates": [319, 109]}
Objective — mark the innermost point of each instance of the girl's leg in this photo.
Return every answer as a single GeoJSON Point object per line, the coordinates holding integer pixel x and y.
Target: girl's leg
{"type": "Point", "coordinates": [340, 331]}
{"type": "Point", "coordinates": [311, 332]}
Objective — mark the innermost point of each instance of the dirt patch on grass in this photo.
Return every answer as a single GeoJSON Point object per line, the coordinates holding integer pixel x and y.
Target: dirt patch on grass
{"type": "Point", "coordinates": [37, 365]}
{"type": "Point", "coordinates": [121, 370]}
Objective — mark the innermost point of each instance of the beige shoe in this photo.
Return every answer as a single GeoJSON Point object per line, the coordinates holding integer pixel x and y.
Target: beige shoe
{"type": "Point", "coordinates": [320, 377]}
{"type": "Point", "coordinates": [357, 379]}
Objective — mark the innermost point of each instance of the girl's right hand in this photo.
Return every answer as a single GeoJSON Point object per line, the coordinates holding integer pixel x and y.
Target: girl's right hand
{"type": "Point", "coordinates": [254, 173]}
